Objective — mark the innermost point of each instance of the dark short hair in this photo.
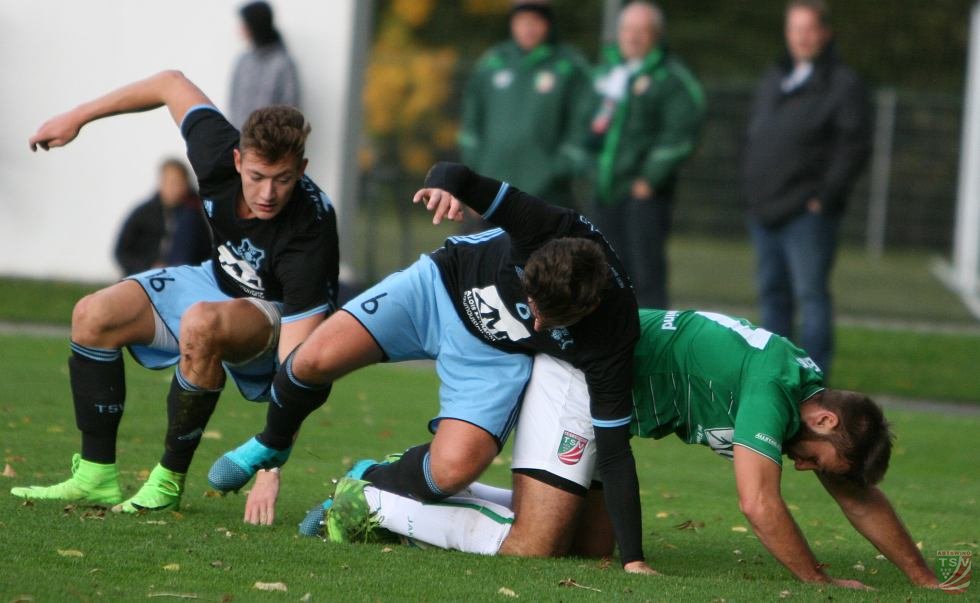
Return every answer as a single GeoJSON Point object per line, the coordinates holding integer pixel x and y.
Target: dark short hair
{"type": "Point", "coordinates": [565, 277]}
{"type": "Point", "coordinates": [275, 132]}
{"type": "Point", "coordinates": [863, 436]}
{"type": "Point", "coordinates": [819, 7]}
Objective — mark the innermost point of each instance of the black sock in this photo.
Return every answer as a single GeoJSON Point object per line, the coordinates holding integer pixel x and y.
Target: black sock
{"type": "Point", "coordinates": [188, 410]}
{"type": "Point", "coordinates": [292, 401]}
{"type": "Point", "coordinates": [409, 475]}
{"type": "Point", "coordinates": [98, 388]}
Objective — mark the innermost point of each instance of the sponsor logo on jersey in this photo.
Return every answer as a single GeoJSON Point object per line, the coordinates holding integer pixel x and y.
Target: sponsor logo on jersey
{"type": "Point", "coordinates": [955, 569]}
{"type": "Point", "coordinates": [668, 323]}
{"type": "Point", "coordinates": [242, 264]}
{"type": "Point", "coordinates": [720, 440]}
{"type": "Point", "coordinates": [808, 363]}
{"type": "Point", "coordinates": [768, 439]}
{"type": "Point", "coordinates": [544, 82]}
{"type": "Point", "coordinates": [488, 313]}
{"type": "Point", "coordinates": [503, 78]}
{"type": "Point", "coordinates": [571, 448]}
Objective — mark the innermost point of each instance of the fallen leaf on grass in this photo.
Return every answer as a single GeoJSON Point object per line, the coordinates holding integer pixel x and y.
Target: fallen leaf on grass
{"type": "Point", "coordinates": [740, 529]}
{"type": "Point", "coordinates": [70, 553]}
{"type": "Point", "coordinates": [503, 590]}
{"type": "Point", "coordinates": [663, 515]}
{"type": "Point", "coordinates": [155, 522]}
{"type": "Point", "coordinates": [174, 595]}
{"type": "Point", "coordinates": [690, 524]}
{"type": "Point", "coordinates": [172, 567]}
{"type": "Point", "coordinates": [217, 564]}
{"type": "Point", "coordinates": [858, 567]}
{"type": "Point", "coordinates": [784, 594]}
{"type": "Point", "coordinates": [270, 586]}
{"type": "Point", "coordinates": [387, 549]}
{"type": "Point", "coordinates": [211, 434]}
{"type": "Point", "coordinates": [8, 471]}
{"type": "Point", "coordinates": [306, 598]}
{"type": "Point", "coordinates": [212, 494]}
{"type": "Point", "coordinates": [572, 583]}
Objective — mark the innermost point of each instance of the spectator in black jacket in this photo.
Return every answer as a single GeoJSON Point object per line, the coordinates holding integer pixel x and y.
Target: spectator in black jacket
{"type": "Point", "coordinates": [808, 139]}
{"type": "Point", "coordinates": [167, 229]}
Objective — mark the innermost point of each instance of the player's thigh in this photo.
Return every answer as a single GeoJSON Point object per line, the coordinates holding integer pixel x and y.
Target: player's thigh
{"type": "Point", "coordinates": [236, 329]}
{"type": "Point", "coordinates": [339, 345]}
{"type": "Point", "coordinates": [545, 519]}
{"type": "Point", "coordinates": [113, 317]}
{"type": "Point", "coordinates": [459, 453]}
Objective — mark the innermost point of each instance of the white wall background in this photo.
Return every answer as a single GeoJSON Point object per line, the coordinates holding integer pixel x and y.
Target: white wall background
{"type": "Point", "coordinates": [60, 211]}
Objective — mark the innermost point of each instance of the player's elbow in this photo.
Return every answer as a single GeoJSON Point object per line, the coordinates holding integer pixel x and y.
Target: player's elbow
{"type": "Point", "coordinates": [755, 508]}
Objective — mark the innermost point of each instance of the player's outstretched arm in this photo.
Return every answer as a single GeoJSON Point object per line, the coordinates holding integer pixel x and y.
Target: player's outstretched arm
{"type": "Point", "coordinates": [757, 479]}
{"type": "Point", "coordinates": [170, 88]}
{"type": "Point", "coordinates": [872, 515]}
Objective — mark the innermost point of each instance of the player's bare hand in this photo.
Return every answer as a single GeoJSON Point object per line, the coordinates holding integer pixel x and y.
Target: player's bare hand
{"type": "Point", "coordinates": [441, 203]}
{"type": "Point", "coordinates": [640, 567]}
{"type": "Point", "coordinates": [260, 507]}
{"type": "Point", "coordinates": [56, 132]}
{"type": "Point", "coordinates": [852, 584]}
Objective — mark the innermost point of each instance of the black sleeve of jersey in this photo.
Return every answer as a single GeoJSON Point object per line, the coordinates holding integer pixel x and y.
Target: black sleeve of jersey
{"type": "Point", "coordinates": [621, 489]}
{"type": "Point", "coordinates": [210, 142]}
{"type": "Point", "coordinates": [528, 220]}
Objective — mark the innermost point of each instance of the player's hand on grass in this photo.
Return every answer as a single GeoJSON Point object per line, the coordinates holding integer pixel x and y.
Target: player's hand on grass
{"type": "Point", "coordinates": [640, 567]}
{"type": "Point", "coordinates": [441, 203]}
{"type": "Point", "coordinates": [852, 584]}
{"type": "Point", "coordinates": [260, 506]}
{"type": "Point", "coordinates": [56, 132]}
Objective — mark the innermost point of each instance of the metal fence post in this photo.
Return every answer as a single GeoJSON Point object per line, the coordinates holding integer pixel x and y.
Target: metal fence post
{"type": "Point", "coordinates": [881, 159]}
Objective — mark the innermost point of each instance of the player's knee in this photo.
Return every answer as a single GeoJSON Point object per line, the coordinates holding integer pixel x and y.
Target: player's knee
{"type": "Point", "coordinates": [522, 541]}
{"type": "Point", "coordinates": [89, 320]}
{"type": "Point", "coordinates": [453, 471]}
{"type": "Point", "coordinates": [200, 330]}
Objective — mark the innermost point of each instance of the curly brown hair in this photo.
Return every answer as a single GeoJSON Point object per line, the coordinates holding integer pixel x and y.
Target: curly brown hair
{"type": "Point", "coordinates": [566, 277]}
{"type": "Point", "coordinates": [275, 132]}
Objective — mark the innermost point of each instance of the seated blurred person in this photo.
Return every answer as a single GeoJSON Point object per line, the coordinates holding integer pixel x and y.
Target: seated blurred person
{"type": "Point", "coordinates": [167, 229]}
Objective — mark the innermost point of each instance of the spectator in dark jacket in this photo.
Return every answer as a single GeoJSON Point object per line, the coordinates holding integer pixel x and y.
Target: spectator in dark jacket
{"type": "Point", "coordinates": [808, 140]}
{"type": "Point", "coordinates": [166, 230]}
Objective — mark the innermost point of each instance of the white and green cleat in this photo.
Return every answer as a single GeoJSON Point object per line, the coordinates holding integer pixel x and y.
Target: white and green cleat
{"type": "Point", "coordinates": [90, 483]}
{"type": "Point", "coordinates": [161, 492]}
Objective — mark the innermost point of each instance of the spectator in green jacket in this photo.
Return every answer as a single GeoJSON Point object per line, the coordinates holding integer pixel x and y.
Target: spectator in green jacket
{"type": "Point", "coordinates": [525, 108]}
{"type": "Point", "coordinates": [649, 112]}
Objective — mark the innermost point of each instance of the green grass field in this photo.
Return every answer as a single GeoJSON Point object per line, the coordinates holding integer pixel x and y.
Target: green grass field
{"type": "Point", "coordinates": [54, 552]}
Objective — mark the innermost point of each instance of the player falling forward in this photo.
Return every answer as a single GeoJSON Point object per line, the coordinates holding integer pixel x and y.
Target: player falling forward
{"type": "Point", "coordinates": [546, 281]}
{"type": "Point", "coordinates": [274, 261]}
{"type": "Point", "coordinates": [708, 378]}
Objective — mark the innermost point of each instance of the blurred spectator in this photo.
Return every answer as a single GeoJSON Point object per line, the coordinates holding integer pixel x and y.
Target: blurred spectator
{"type": "Point", "coordinates": [650, 109]}
{"type": "Point", "coordinates": [523, 108]}
{"type": "Point", "coordinates": [166, 230]}
{"type": "Point", "coordinates": [808, 139]}
{"type": "Point", "coordinates": [266, 74]}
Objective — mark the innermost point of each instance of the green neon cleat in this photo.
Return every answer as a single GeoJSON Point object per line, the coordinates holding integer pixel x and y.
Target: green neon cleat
{"type": "Point", "coordinates": [161, 492]}
{"type": "Point", "coordinates": [90, 483]}
{"type": "Point", "coordinates": [350, 519]}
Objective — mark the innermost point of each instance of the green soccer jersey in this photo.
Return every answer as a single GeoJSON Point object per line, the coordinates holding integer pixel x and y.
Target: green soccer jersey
{"type": "Point", "coordinates": [719, 381]}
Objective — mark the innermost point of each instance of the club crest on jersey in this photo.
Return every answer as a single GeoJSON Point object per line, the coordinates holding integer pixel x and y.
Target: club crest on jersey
{"type": "Point", "coordinates": [562, 336]}
{"type": "Point", "coordinates": [488, 313]}
{"type": "Point", "coordinates": [544, 82]}
{"type": "Point", "coordinates": [503, 78]}
{"type": "Point", "coordinates": [571, 448]}
{"type": "Point", "coordinates": [208, 207]}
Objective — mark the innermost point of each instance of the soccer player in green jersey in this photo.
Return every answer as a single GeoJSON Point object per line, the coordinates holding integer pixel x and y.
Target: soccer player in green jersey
{"type": "Point", "coordinates": [750, 395]}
